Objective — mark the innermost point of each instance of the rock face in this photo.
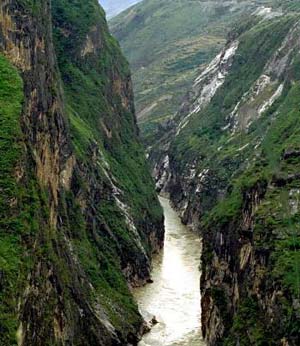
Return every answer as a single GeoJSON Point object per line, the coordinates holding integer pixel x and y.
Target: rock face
{"type": "Point", "coordinates": [229, 160]}
{"type": "Point", "coordinates": [78, 212]}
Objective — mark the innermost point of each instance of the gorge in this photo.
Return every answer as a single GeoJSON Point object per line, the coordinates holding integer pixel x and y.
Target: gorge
{"type": "Point", "coordinates": [228, 160]}
{"type": "Point", "coordinates": [89, 254]}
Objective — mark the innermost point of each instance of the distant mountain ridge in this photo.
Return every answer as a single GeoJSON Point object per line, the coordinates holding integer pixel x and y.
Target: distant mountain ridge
{"type": "Point", "coordinates": [114, 7]}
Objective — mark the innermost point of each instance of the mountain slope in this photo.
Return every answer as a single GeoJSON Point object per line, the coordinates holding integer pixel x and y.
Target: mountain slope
{"type": "Point", "coordinates": [167, 44]}
{"type": "Point", "coordinates": [229, 160]}
{"type": "Point", "coordinates": [78, 212]}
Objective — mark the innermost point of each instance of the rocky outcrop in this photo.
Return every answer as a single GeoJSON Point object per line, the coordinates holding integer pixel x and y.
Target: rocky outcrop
{"type": "Point", "coordinates": [76, 231]}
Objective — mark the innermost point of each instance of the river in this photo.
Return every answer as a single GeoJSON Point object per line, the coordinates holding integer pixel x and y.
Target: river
{"type": "Point", "coordinates": [174, 296]}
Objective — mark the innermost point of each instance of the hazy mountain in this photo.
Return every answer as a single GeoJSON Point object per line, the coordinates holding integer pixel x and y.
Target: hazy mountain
{"type": "Point", "coordinates": [114, 7]}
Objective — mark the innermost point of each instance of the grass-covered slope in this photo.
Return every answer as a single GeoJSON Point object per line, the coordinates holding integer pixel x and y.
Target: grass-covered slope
{"type": "Point", "coordinates": [22, 207]}
{"type": "Point", "coordinates": [167, 43]}
{"type": "Point", "coordinates": [11, 97]}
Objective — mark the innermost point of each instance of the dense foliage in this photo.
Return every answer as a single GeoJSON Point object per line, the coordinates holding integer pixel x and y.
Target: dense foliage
{"type": "Point", "coordinates": [11, 97]}
{"type": "Point", "coordinates": [94, 85]}
{"type": "Point", "coordinates": [22, 195]}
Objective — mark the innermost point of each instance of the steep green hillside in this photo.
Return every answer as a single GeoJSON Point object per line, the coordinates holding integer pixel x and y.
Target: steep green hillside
{"type": "Point", "coordinates": [10, 111]}
{"type": "Point", "coordinates": [230, 162]}
{"type": "Point", "coordinates": [79, 216]}
{"type": "Point", "coordinates": [167, 43]}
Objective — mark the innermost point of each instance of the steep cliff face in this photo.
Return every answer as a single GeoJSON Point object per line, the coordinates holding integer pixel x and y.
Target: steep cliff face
{"type": "Point", "coordinates": [79, 215]}
{"type": "Point", "coordinates": [229, 161]}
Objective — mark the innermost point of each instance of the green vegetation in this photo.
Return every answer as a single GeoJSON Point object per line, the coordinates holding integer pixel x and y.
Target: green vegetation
{"type": "Point", "coordinates": [275, 229]}
{"type": "Point", "coordinates": [100, 111]}
{"type": "Point", "coordinates": [167, 44]}
{"type": "Point", "coordinates": [11, 227]}
{"type": "Point", "coordinates": [99, 257]}
{"type": "Point", "coordinates": [22, 203]}
{"type": "Point", "coordinates": [11, 98]}
{"type": "Point", "coordinates": [33, 5]}
{"type": "Point", "coordinates": [288, 5]}
{"type": "Point", "coordinates": [249, 318]}
{"type": "Point", "coordinates": [205, 130]}
{"type": "Point", "coordinates": [90, 93]}
{"type": "Point", "coordinates": [76, 19]}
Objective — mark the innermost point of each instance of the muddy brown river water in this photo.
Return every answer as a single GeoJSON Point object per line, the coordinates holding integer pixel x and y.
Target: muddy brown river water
{"type": "Point", "coordinates": [174, 297]}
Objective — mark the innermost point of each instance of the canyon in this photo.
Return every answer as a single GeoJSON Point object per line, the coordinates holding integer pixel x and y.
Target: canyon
{"type": "Point", "coordinates": [89, 255]}
{"type": "Point", "coordinates": [228, 161]}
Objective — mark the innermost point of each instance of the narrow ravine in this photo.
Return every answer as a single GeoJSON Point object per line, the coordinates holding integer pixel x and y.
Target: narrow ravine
{"type": "Point", "coordinates": [174, 296]}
